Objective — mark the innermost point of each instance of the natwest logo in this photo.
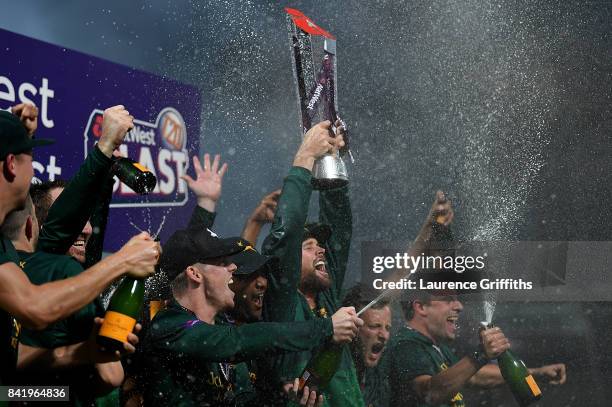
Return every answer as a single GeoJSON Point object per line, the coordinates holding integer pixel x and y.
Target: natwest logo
{"type": "Point", "coordinates": [161, 147]}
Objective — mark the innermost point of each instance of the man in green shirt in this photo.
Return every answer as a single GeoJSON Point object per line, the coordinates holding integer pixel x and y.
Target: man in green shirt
{"type": "Point", "coordinates": [38, 306]}
{"type": "Point", "coordinates": [63, 210]}
{"type": "Point", "coordinates": [371, 341]}
{"type": "Point", "coordinates": [424, 371]}
{"type": "Point", "coordinates": [191, 360]}
{"type": "Point", "coordinates": [313, 261]}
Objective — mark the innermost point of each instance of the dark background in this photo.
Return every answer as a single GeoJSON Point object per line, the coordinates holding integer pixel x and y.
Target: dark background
{"type": "Point", "coordinates": [503, 104]}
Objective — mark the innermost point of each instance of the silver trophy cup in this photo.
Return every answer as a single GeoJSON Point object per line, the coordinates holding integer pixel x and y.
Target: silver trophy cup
{"type": "Point", "coordinates": [329, 172]}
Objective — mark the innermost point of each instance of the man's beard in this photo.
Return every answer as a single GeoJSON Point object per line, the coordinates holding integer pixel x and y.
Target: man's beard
{"type": "Point", "coordinates": [313, 283]}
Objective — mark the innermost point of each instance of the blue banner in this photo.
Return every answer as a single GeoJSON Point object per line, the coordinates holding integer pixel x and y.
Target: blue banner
{"type": "Point", "coordinates": [71, 90]}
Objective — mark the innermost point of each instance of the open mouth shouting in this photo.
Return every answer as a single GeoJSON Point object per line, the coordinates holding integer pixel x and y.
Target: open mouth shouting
{"type": "Point", "coordinates": [321, 267]}
{"type": "Point", "coordinates": [257, 300]}
{"type": "Point", "coordinates": [452, 323]}
{"type": "Point", "coordinates": [374, 353]}
{"type": "Point", "coordinates": [77, 250]}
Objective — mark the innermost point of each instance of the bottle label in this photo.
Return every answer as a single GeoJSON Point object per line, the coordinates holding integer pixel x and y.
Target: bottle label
{"type": "Point", "coordinates": [141, 167]}
{"type": "Point", "coordinates": [533, 385]}
{"type": "Point", "coordinates": [117, 326]}
{"type": "Point", "coordinates": [154, 307]}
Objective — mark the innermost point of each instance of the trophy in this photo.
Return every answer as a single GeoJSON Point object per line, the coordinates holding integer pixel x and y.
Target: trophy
{"type": "Point", "coordinates": [316, 91]}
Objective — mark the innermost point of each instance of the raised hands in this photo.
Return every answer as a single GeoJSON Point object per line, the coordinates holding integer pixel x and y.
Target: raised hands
{"type": "Point", "coordinates": [116, 122]}
{"type": "Point", "coordinates": [264, 213]}
{"type": "Point", "coordinates": [317, 142]}
{"type": "Point", "coordinates": [28, 114]}
{"type": "Point", "coordinates": [208, 182]}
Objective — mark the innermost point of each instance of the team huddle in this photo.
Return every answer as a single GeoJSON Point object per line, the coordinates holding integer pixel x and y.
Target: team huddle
{"type": "Point", "coordinates": [224, 324]}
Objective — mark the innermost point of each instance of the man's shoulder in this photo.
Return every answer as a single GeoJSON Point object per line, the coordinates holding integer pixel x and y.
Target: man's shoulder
{"type": "Point", "coordinates": [407, 341]}
{"type": "Point", "coordinates": [173, 319]}
{"type": "Point", "coordinates": [8, 254]}
{"type": "Point", "coordinates": [405, 334]}
{"type": "Point", "coordinates": [42, 267]}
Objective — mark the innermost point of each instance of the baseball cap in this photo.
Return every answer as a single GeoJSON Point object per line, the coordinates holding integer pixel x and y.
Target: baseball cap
{"type": "Point", "coordinates": [250, 260]}
{"type": "Point", "coordinates": [14, 137]}
{"type": "Point", "coordinates": [187, 247]}
{"type": "Point", "coordinates": [319, 231]}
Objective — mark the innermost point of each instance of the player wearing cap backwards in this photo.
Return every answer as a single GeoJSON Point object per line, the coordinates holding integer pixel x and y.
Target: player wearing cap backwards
{"type": "Point", "coordinates": [40, 305]}
{"type": "Point", "coordinates": [191, 360]}
{"type": "Point", "coordinates": [313, 261]}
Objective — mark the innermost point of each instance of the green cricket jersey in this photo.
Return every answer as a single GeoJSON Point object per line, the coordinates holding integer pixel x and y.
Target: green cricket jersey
{"type": "Point", "coordinates": [189, 362]}
{"type": "Point", "coordinates": [74, 206]}
{"type": "Point", "coordinates": [412, 354]}
{"type": "Point", "coordinates": [87, 193]}
{"type": "Point", "coordinates": [283, 302]}
{"type": "Point", "coordinates": [9, 327]}
{"type": "Point", "coordinates": [375, 385]}
{"type": "Point", "coordinates": [41, 268]}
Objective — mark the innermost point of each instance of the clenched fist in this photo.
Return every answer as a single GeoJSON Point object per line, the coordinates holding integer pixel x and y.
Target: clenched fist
{"type": "Point", "coordinates": [346, 324]}
{"type": "Point", "coordinates": [116, 122]}
{"type": "Point", "coordinates": [28, 114]}
{"type": "Point", "coordinates": [317, 142]}
{"type": "Point", "coordinates": [140, 254]}
{"type": "Point", "coordinates": [494, 342]}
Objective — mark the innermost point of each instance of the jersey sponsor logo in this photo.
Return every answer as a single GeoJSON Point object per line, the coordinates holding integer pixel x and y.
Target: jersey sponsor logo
{"type": "Point", "coordinates": [456, 401]}
{"type": "Point", "coordinates": [160, 146]}
{"type": "Point", "coordinates": [15, 333]}
{"type": "Point", "coordinates": [191, 323]}
{"type": "Point", "coordinates": [215, 380]}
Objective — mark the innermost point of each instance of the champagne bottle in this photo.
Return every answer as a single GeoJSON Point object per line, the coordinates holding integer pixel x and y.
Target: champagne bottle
{"type": "Point", "coordinates": [515, 373]}
{"type": "Point", "coordinates": [134, 175]}
{"type": "Point", "coordinates": [321, 368]}
{"type": "Point", "coordinates": [521, 382]}
{"type": "Point", "coordinates": [124, 308]}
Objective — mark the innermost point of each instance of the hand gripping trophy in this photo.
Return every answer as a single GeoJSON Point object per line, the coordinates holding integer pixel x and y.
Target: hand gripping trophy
{"type": "Point", "coordinates": [316, 91]}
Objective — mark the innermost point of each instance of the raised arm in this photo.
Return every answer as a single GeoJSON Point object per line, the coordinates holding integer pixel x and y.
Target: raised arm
{"type": "Point", "coordinates": [264, 213]}
{"type": "Point", "coordinates": [207, 187]}
{"type": "Point", "coordinates": [98, 220]}
{"type": "Point", "coordinates": [287, 231]}
{"type": "Point", "coordinates": [74, 206]}
{"type": "Point", "coordinates": [335, 211]}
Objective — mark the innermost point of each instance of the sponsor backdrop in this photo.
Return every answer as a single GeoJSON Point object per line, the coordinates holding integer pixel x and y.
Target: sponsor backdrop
{"type": "Point", "coordinates": [71, 90]}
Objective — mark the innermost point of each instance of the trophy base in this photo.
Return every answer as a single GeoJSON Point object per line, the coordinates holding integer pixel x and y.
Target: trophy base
{"type": "Point", "coordinates": [329, 172]}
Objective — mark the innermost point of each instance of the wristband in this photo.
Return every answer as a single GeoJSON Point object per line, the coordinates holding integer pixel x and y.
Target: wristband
{"type": "Point", "coordinates": [480, 357]}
